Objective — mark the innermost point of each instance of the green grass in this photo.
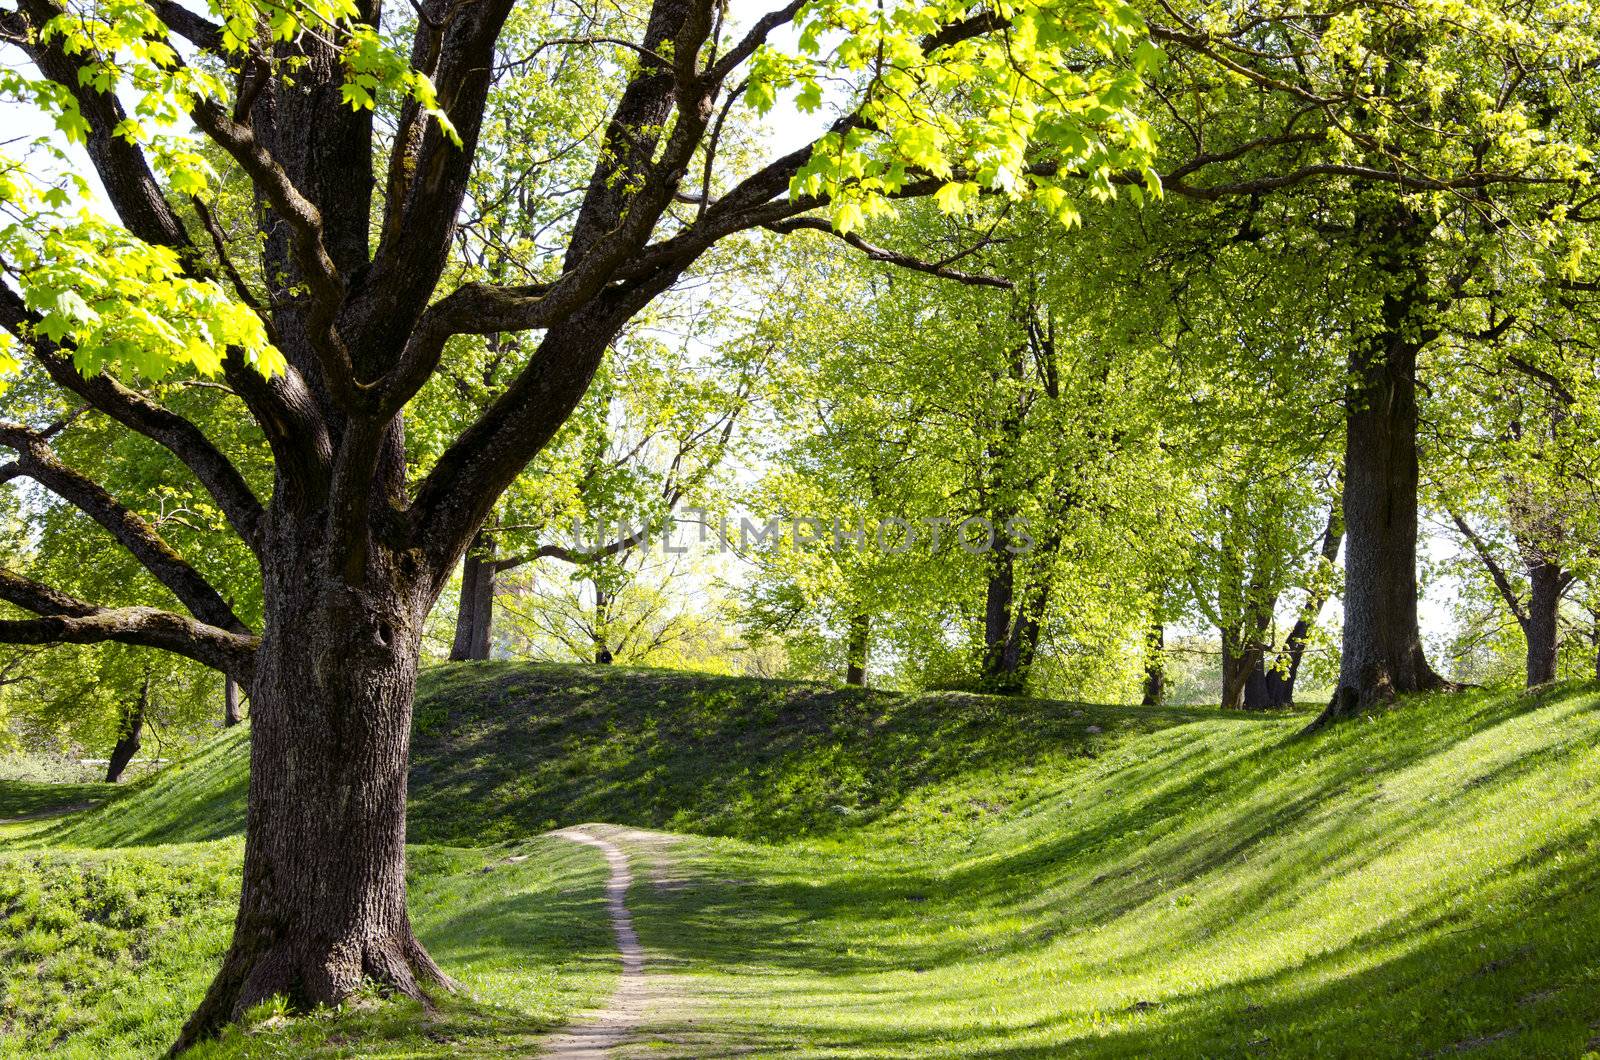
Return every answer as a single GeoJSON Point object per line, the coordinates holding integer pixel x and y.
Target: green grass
{"type": "Point", "coordinates": [502, 750]}
{"type": "Point", "coordinates": [880, 875]}
{"type": "Point", "coordinates": [106, 952]}
{"type": "Point", "coordinates": [1421, 884]}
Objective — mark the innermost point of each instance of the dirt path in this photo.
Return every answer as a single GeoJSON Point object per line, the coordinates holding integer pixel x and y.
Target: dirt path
{"type": "Point", "coordinates": [595, 1034]}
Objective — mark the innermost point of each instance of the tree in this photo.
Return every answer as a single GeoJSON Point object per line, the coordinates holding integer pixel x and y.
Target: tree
{"type": "Point", "coordinates": [657, 432]}
{"type": "Point", "coordinates": [1514, 481]}
{"type": "Point", "coordinates": [1425, 153]}
{"type": "Point", "coordinates": [358, 293]}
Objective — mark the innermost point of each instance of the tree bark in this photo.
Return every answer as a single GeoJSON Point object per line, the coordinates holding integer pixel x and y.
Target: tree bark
{"type": "Point", "coordinates": [602, 617]}
{"type": "Point", "coordinates": [1382, 651]}
{"type": "Point", "coordinates": [1547, 583]}
{"type": "Point", "coordinates": [129, 735]}
{"type": "Point", "coordinates": [475, 617]}
{"type": "Point", "coordinates": [230, 702]}
{"type": "Point", "coordinates": [1155, 666]}
{"type": "Point", "coordinates": [323, 902]}
{"type": "Point", "coordinates": [1011, 625]}
{"type": "Point", "coordinates": [855, 672]}
{"type": "Point", "coordinates": [1243, 680]}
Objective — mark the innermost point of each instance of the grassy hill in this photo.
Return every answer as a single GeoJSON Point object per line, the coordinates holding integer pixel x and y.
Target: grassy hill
{"type": "Point", "coordinates": [502, 750]}
{"type": "Point", "coordinates": [862, 874]}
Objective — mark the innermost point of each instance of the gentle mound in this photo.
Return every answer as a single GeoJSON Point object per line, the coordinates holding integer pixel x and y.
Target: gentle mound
{"type": "Point", "coordinates": [1423, 883]}
{"type": "Point", "coordinates": [503, 750]}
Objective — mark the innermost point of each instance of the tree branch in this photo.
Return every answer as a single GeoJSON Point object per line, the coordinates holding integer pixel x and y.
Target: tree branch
{"type": "Point", "coordinates": [1496, 572]}
{"type": "Point", "coordinates": [65, 619]}
{"type": "Point", "coordinates": [892, 257]}
{"type": "Point", "coordinates": [323, 279]}
{"type": "Point", "coordinates": [37, 460]}
{"type": "Point", "coordinates": [138, 413]}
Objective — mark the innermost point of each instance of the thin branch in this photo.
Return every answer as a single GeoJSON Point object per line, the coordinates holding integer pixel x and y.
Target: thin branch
{"type": "Point", "coordinates": [1496, 573]}
{"type": "Point", "coordinates": [892, 257]}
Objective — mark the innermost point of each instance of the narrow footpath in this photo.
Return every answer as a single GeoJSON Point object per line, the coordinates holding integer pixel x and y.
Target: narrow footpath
{"type": "Point", "coordinates": [594, 1034]}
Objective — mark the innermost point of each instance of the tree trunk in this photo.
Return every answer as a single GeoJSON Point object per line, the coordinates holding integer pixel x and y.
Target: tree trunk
{"type": "Point", "coordinates": [1382, 653]}
{"type": "Point", "coordinates": [1237, 664]}
{"type": "Point", "coordinates": [1155, 666]}
{"type": "Point", "coordinates": [1541, 631]}
{"type": "Point", "coordinates": [997, 605]}
{"type": "Point", "coordinates": [855, 670]}
{"type": "Point", "coordinates": [1280, 681]}
{"type": "Point", "coordinates": [475, 616]}
{"type": "Point", "coordinates": [129, 735]}
{"type": "Point", "coordinates": [1258, 693]}
{"type": "Point", "coordinates": [323, 902]}
{"type": "Point", "coordinates": [1244, 683]}
{"type": "Point", "coordinates": [1011, 627]}
{"type": "Point", "coordinates": [230, 702]}
{"type": "Point", "coordinates": [602, 616]}
{"type": "Point", "coordinates": [1279, 684]}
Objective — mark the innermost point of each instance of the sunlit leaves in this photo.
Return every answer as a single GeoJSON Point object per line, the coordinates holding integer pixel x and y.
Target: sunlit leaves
{"type": "Point", "coordinates": [1011, 99]}
{"type": "Point", "coordinates": [118, 303]}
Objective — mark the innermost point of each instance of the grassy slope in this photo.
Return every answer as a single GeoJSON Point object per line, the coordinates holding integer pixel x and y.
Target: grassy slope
{"type": "Point", "coordinates": [503, 751]}
{"type": "Point", "coordinates": [1421, 884]}
{"type": "Point", "coordinates": [965, 876]}
{"type": "Point", "coordinates": [106, 952]}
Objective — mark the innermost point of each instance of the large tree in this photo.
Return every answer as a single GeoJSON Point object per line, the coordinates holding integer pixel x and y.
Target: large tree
{"type": "Point", "coordinates": [334, 309]}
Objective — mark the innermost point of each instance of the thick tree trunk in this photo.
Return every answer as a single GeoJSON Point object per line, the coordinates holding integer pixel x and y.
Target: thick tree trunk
{"type": "Point", "coordinates": [230, 702]}
{"type": "Point", "coordinates": [1258, 693]}
{"type": "Point", "coordinates": [1232, 675]}
{"type": "Point", "coordinates": [998, 599]}
{"type": "Point", "coordinates": [1279, 683]}
{"type": "Point", "coordinates": [1382, 653]}
{"type": "Point", "coordinates": [1242, 683]}
{"type": "Point", "coordinates": [130, 733]}
{"type": "Point", "coordinates": [1547, 583]}
{"type": "Point", "coordinates": [855, 666]}
{"type": "Point", "coordinates": [475, 617]}
{"type": "Point", "coordinates": [323, 903]}
{"type": "Point", "coordinates": [1155, 666]}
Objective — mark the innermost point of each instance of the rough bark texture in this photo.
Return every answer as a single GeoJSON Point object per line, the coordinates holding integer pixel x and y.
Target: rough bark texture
{"type": "Point", "coordinates": [1382, 654]}
{"type": "Point", "coordinates": [855, 666]}
{"type": "Point", "coordinates": [323, 904]}
{"type": "Point", "coordinates": [129, 735]}
{"type": "Point", "coordinates": [475, 617]}
{"type": "Point", "coordinates": [1546, 585]}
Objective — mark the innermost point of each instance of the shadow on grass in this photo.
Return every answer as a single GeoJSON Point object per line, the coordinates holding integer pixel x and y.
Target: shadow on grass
{"type": "Point", "coordinates": [1427, 919]}
{"type": "Point", "coordinates": [534, 747]}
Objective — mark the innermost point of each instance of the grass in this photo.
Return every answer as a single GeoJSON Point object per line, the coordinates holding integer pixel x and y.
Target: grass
{"type": "Point", "coordinates": [106, 952]}
{"type": "Point", "coordinates": [1420, 884]}
{"type": "Point", "coordinates": [878, 875]}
